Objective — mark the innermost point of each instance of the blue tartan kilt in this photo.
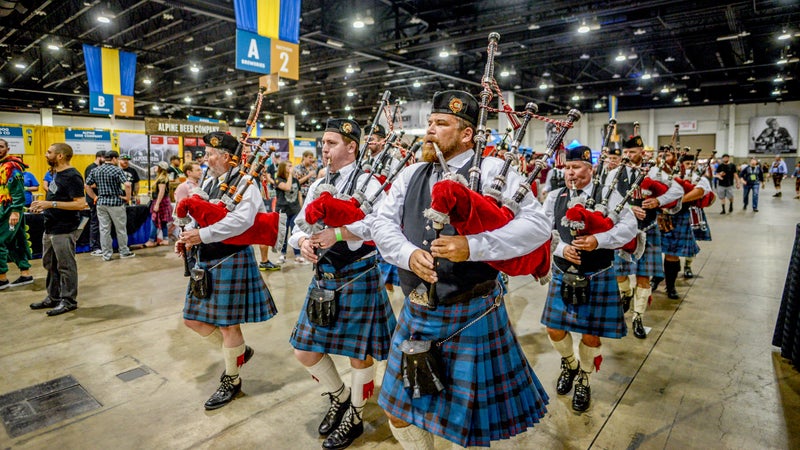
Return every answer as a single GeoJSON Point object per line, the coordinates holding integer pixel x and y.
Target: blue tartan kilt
{"type": "Point", "coordinates": [651, 263]}
{"type": "Point", "coordinates": [491, 391]}
{"type": "Point", "coordinates": [388, 272]}
{"type": "Point", "coordinates": [603, 315]}
{"type": "Point", "coordinates": [365, 321]}
{"type": "Point", "coordinates": [238, 293]}
{"type": "Point", "coordinates": [623, 268]}
{"type": "Point", "coordinates": [680, 241]}
{"type": "Point", "coordinates": [700, 234]}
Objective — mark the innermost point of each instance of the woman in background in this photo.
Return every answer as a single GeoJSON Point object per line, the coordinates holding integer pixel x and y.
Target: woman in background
{"type": "Point", "coordinates": [160, 206]}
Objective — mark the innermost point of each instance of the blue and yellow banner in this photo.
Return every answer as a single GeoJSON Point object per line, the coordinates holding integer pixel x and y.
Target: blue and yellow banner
{"type": "Point", "coordinates": [109, 70]}
{"type": "Point", "coordinates": [613, 103]}
{"type": "Point", "coordinates": [276, 19]}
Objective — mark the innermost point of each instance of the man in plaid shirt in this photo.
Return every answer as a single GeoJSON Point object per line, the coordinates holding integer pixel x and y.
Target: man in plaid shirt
{"type": "Point", "coordinates": [111, 199]}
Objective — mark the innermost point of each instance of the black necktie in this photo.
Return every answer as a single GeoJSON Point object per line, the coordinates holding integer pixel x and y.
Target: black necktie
{"type": "Point", "coordinates": [334, 177]}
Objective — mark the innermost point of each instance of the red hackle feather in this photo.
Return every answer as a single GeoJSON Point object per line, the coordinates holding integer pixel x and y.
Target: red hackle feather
{"type": "Point", "coordinates": [472, 213]}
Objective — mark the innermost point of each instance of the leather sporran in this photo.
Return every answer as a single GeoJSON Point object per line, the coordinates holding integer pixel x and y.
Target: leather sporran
{"type": "Point", "coordinates": [575, 289]}
{"type": "Point", "coordinates": [421, 367]}
{"type": "Point", "coordinates": [200, 283]}
{"type": "Point", "coordinates": [321, 307]}
{"type": "Point", "coordinates": [665, 223]}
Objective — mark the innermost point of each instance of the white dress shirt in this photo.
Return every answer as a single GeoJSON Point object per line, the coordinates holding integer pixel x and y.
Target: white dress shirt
{"type": "Point", "coordinates": [362, 228]}
{"type": "Point", "coordinates": [529, 229]}
{"type": "Point", "coordinates": [237, 221]}
{"type": "Point", "coordinates": [674, 192]}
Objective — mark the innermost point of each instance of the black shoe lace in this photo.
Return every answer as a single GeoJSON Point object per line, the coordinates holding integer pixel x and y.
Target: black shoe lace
{"type": "Point", "coordinates": [335, 403]}
{"type": "Point", "coordinates": [347, 423]}
{"type": "Point", "coordinates": [565, 370]}
{"type": "Point", "coordinates": [227, 383]}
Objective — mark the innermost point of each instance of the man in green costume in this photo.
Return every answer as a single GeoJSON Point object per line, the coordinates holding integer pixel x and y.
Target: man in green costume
{"type": "Point", "coordinates": [14, 245]}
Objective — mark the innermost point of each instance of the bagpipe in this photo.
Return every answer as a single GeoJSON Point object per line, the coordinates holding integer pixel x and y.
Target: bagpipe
{"type": "Point", "coordinates": [583, 221]}
{"type": "Point", "coordinates": [268, 228]}
{"type": "Point", "coordinates": [469, 211]}
{"type": "Point", "coordinates": [334, 209]}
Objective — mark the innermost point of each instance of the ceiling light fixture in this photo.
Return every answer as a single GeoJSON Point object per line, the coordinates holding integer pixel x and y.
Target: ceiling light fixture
{"type": "Point", "coordinates": [228, 92]}
{"type": "Point", "coordinates": [533, 26]}
{"type": "Point", "coordinates": [417, 84]}
{"type": "Point", "coordinates": [358, 22]}
{"type": "Point", "coordinates": [147, 81]}
{"type": "Point", "coordinates": [218, 113]}
{"type": "Point", "coordinates": [503, 73]}
{"type": "Point", "coordinates": [297, 100]}
{"type": "Point", "coordinates": [585, 56]}
{"type": "Point", "coordinates": [333, 43]}
{"type": "Point", "coordinates": [194, 69]}
{"type": "Point", "coordinates": [669, 59]}
{"type": "Point", "coordinates": [546, 74]}
{"type": "Point", "coordinates": [304, 113]}
{"type": "Point", "coordinates": [19, 65]}
{"type": "Point", "coordinates": [665, 90]}
{"type": "Point", "coordinates": [576, 98]}
{"type": "Point", "coordinates": [187, 99]}
{"type": "Point", "coordinates": [444, 53]}
{"type": "Point", "coordinates": [783, 60]}
{"type": "Point", "coordinates": [639, 32]}
{"type": "Point", "coordinates": [54, 47]}
{"type": "Point", "coordinates": [784, 35]}
{"type": "Point", "coordinates": [615, 76]}
{"type": "Point", "coordinates": [82, 101]}
{"type": "Point", "coordinates": [620, 57]}
{"type": "Point", "coordinates": [583, 28]}
{"type": "Point", "coordinates": [778, 79]}
{"type": "Point", "coordinates": [350, 69]}
{"type": "Point", "coordinates": [347, 108]}
{"type": "Point", "coordinates": [646, 76]}
{"type": "Point", "coordinates": [351, 93]}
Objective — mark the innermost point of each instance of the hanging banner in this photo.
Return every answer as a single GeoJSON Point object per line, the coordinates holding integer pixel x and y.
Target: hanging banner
{"type": "Point", "coordinates": [88, 142]}
{"type": "Point", "coordinates": [276, 19]}
{"type": "Point", "coordinates": [111, 74]}
{"type": "Point", "coordinates": [176, 127]}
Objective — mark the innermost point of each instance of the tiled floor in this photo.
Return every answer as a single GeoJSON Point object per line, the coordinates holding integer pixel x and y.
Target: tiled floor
{"type": "Point", "coordinates": [706, 376]}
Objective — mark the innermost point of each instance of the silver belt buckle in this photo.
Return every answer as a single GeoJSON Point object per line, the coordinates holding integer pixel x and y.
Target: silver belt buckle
{"type": "Point", "coordinates": [419, 298]}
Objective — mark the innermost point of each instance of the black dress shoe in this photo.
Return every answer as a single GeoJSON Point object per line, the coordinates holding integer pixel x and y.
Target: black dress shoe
{"type": "Point", "coordinates": [583, 394]}
{"type": "Point", "coordinates": [654, 282]}
{"type": "Point", "coordinates": [63, 307]}
{"type": "Point", "coordinates": [638, 328]}
{"type": "Point", "coordinates": [226, 392]}
{"type": "Point", "coordinates": [346, 432]}
{"type": "Point", "coordinates": [626, 302]}
{"type": "Point", "coordinates": [248, 353]}
{"type": "Point", "coordinates": [45, 304]}
{"type": "Point", "coordinates": [564, 382]}
{"type": "Point", "coordinates": [687, 272]}
{"type": "Point", "coordinates": [673, 294]}
{"type": "Point", "coordinates": [334, 415]}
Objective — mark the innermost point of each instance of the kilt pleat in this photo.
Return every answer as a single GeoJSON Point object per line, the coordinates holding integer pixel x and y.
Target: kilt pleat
{"type": "Point", "coordinates": [680, 241]}
{"type": "Point", "coordinates": [649, 265]}
{"type": "Point", "coordinates": [238, 294]}
{"type": "Point", "coordinates": [389, 272]}
{"type": "Point", "coordinates": [603, 315]}
{"type": "Point", "coordinates": [365, 321]}
{"type": "Point", "coordinates": [491, 391]}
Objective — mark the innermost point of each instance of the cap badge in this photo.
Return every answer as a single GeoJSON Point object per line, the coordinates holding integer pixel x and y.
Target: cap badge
{"type": "Point", "coordinates": [347, 127]}
{"type": "Point", "coordinates": [456, 105]}
{"type": "Point", "coordinates": [214, 141]}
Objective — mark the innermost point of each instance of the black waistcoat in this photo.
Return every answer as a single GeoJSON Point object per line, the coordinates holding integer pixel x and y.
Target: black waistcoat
{"type": "Point", "coordinates": [623, 184]}
{"type": "Point", "coordinates": [454, 278]}
{"type": "Point", "coordinates": [590, 261]}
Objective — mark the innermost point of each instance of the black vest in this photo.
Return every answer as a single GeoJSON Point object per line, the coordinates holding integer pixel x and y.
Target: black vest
{"type": "Point", "coordinates": [593, 261]}
{"type": "Point", "coordinates": [454, 278]}
{"type": "Point", "coordinates": [557, 180]}
{"type": "Point", "coordinates": [623, 184]}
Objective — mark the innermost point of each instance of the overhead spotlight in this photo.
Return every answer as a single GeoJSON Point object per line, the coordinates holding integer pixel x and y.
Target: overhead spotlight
{"type": "Point", "coordinates": [639, 32]}
{"type": "Point", "coordinates": [546, 74]}
{"type": "Point", "coordinates": [639, 88]}
{"type": "Point", "coordinates": [297, 100]}
{"type": "Point", "coordinates": [187, 99]}
{"type": "Point", "coordinates": [417, 84]}
{"type": "Point", "coordinates": [585, 56]}
{"type": "Point", "coordinates": [20, 65]}
{"type": "Point", "coordinates": [678, 99]}
{"type": "Point", "coordinates": [533, 26]}
{"type": "Point", "coordinates": [350, 69]}
{"type": "Point", "coordinates": [646, 76]}
{"type": "Point", "coordinates": [579, 87]}
{"type": "Point", "coordinates": [82, 101]}
{"type": "Point", "coordinates": [103, 19]}
{"type": "Point", "coordinates": [333, 43]}
{"type": "Point", "coordinates": [685, 77]}
{"type": "Point", "coordinates": [351, 93]}
{"type": "Point", "coordinates": [358, 22]}
{"type": "Point", "coordinates": [583, 28]}
{"type": "Point", "coordinates": [228, 92]}
{"type": "Point", "coordinates": [576, 97]}
{"type": "Point", "coordinates": [147, 81]}
{"type": "Point", "coordinates": [543, 86]}
{"type": "Point", "coordinates": [783, 60]}
{"type": "Point", "coordinates": [347, 108]}
{"type": "Point", "coordinates": [283, 124]}
{"type": "Point", "coordinates": [753, 91]}
{"type": "Point", "coordinates": [350, 116]}
{"type": "Point", "coordinates": [598, 105]}
{"type": "Point", "coordinates": [451, 85]}
{"type": "Point", "coordinates": [669, 59]}
{"type": "Point", "coordinates": [313, 121]}
{"type": "Point", "coordinates": [54, 47]}
{"type": "Point", "coordinates": [218, 113]}
{"type": "Point", "coordinates": [777, 79]}
{"type": "Point", "coordinates": [621, 57]}
{"type": "Point", "coordinates": [60, 106]}
{"type": "Point", "coordinates": [208, 48]}
{"type": "Point", "coordinates": [194, 69]}
{"type": "Point", "coordinates": [188, 39]}
{"type": "Point", "coordinates": [444, 53]}
{"type": "Point", "coordinates": [503, 73]}
{"type": "Point", "coordinates": [633, 56]}
{"type": "Point", "coordinates": [784, 35]}
{"type": "Point", "coordinates": [776, 92]}
{"type": "Point", "coordinates": [281, 83]}
{"type": "Point", "coordinates": [665, 90]}
{"type": "Point", "coordinates": [154, 108]}
{"type": "Point", "coordinates": [304, 113]}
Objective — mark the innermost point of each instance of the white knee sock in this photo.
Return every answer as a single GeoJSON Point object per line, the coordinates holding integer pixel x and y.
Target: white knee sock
{"type": "Point", "coordinates": [326, 374]}
{"type": "Point", "coordinates": [687, 262]}
{"type": "Point", "coordinates": [564, 348]}
{"type": "Point", "coordinates": [640, 299]}
{"type": "Point", "coordinates": [214, 338]}
{"type": "Point", "coordinates": [412, 437]}
{"type": "Point", "coordinates": [587, 356]}
{"type": "Point", "coordinates": [231, 355]}
{"type": "Point", "coordinates": [625, 287]}
{"type": "Point", "coordinates": [362, 385]}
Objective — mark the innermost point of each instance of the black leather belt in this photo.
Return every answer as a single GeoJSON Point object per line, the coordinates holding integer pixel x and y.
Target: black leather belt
{"type": "Point", "coordinates": [479, 290]}
{"type": "Point", "coordinates": [218, 250]}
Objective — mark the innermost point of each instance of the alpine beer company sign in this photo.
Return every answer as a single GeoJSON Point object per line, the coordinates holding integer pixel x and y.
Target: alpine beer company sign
{"type": "Point", "coordinates": [175, 127]}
